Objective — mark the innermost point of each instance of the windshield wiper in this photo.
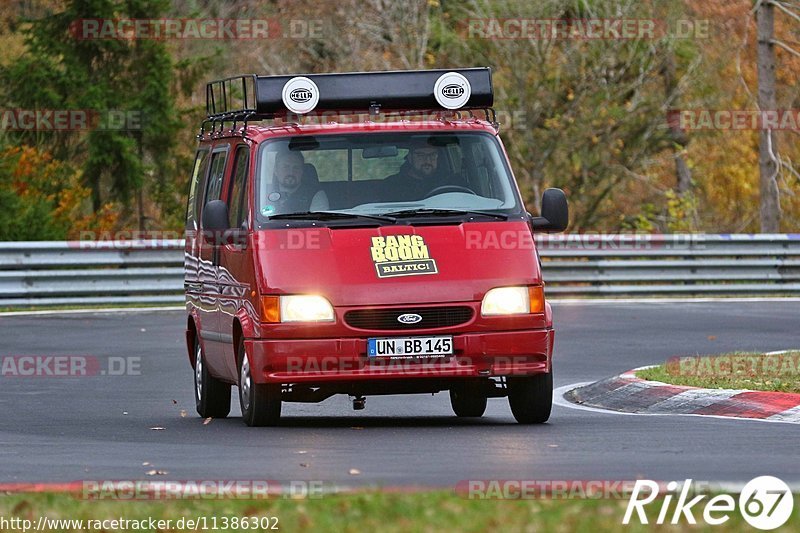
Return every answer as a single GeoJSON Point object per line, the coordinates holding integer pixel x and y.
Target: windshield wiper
{"type": "Point", "coordinates": [405, 213]}
{"type": "Point", "coordinates": [329, 215]}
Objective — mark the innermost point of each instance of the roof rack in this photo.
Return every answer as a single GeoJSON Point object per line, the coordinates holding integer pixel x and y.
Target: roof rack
{"type": "Point", "coordinates": [230, 100]}
{"type": "Point", "coordinates": [250, 97]}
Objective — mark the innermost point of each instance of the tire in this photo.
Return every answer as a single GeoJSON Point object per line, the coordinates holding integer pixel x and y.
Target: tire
{"type": "Point", "coordinates": [468, 401]}
{"type": "Point", "coordinates": [212, 396]}
{"type": "Point", "coordinates": [531, 398]}
{"type": "Point", "coordinates": [261, 403]}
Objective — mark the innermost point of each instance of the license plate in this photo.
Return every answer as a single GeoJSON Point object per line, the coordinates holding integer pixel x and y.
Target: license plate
{"type": "Point", "coordinates": [408, 347]}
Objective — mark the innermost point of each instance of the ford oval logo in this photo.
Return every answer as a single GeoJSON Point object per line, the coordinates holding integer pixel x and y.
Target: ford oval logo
{"type": "Point", "coordinates": [409, 318]}
{"type": "Point", "coordinates": [452, 91]}
{"type": "Point", "coordinates": [301, 95]}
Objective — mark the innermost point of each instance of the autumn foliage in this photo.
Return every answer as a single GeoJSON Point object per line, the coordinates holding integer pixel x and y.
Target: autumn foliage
{"type": "Point", "coordinates": [43, 198]}
{"type": "Point", "coordinates": [589, 116]}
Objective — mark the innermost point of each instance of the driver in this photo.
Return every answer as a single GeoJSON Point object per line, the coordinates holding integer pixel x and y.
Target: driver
{"type": "Point", "coordinates": [418, 176]}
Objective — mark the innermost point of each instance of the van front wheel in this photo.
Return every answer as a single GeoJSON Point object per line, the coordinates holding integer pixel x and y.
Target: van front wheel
{"type": "Point", "coordinates": [531, 398]}
{"type": "Point", "coordinates": [212, 396]}
{"type": "Point", "coordinates": [261, 403]}
{"type": "Point", "coordinates": [468, 401]}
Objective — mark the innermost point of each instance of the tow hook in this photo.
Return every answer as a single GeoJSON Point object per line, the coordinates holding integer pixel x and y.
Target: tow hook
{"type": "Point", "coordinates": [359, 403]}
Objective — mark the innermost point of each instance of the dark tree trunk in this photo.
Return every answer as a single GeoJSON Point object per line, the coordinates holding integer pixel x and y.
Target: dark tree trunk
{"type": "Point", "coordinates": [678, 137]}
{"type": "Point", "coordinates": [770, 209]}
{"type": "Point", "coordinates": [97, 200]}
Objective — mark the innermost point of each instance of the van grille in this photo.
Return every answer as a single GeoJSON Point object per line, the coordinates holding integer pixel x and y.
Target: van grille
{"type": "Point", "coordinates": [432, 317]}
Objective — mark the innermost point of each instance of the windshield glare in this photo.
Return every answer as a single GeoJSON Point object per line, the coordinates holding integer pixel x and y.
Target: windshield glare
{"type": "Point", "coordinates": [384, 173]}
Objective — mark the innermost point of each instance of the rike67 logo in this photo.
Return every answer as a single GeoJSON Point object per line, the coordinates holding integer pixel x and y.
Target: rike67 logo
{"type": "Point", "coordinates": [765, 503]}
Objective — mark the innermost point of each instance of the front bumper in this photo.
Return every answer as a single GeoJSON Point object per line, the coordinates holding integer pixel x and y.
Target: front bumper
{"type": "Point", "coordinates": [508, 353]}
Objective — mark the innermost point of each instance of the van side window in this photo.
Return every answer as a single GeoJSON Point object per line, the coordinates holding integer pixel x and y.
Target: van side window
{"type": "Point", "coordinates": [216, 176]}
{"type": "Point", "coordinates": [196, 186]}
{"type": "Point", "coordinates": [237, 194]}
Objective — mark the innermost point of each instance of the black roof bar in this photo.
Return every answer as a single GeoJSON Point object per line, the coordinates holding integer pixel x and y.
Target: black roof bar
{"type": "Point", "coordinates": [271, 96]}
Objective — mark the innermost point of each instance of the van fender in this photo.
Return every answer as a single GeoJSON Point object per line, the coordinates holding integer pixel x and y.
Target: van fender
{"type": "Point", "coordinates": [248, 325]}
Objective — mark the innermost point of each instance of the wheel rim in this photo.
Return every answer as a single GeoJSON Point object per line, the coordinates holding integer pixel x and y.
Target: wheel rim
{"type": "Point", "coordinates": [198, 373]}
{"type": "Point", "coordinates": [244, 382]}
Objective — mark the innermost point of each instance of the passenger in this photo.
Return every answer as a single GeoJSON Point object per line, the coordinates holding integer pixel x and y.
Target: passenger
{"type": "Point", "coordinates": [292, 192]}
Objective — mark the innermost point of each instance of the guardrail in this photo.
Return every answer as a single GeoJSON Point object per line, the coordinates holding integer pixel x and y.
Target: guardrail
{"type": "Point", "coordinates": [87, 272]}
{"type": "Point", "coordinates": [688, 265]}
{"type": "Point", "coordinates": [146, 272]}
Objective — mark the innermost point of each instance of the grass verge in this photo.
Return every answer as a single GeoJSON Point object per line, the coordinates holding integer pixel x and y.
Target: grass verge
{"type": "Point", "coordinates": [91, 307]}
{"type": "Point", "coordinates": [359, 512]}
{"type": "Point", "coordinates": [738, 370]}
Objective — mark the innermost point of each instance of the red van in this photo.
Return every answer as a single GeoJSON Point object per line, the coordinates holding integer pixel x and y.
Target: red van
{"type": "Point", "coordinates": [363, 234]}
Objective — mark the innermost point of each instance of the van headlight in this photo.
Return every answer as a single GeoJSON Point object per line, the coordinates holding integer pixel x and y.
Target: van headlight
{"type": "Point", "coordinates": [306, 308]}
{"type": "Point", "coordinates": [513, 301]}
{"type": "Point", "coordinates": [296, 308]}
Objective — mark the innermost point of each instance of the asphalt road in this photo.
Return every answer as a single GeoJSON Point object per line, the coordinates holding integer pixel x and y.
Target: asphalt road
{"type": "Point", "coordinates": [98, 427]}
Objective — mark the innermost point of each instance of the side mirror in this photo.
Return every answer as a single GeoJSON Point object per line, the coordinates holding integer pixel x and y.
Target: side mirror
{"type": "Point", "coordinates": [215, 221]}
{"type": "Point", "coordinates": [555, 212]}
{"type": "Point", "coordinates": [216, 227]}
{"type": "Point", "coordinates": [215, 216]}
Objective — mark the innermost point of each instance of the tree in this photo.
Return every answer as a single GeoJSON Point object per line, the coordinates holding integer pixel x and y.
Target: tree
{"type": "Point", "coordinates": [131, 78]}
{"type": "Point", "coordinates": [594, 111]}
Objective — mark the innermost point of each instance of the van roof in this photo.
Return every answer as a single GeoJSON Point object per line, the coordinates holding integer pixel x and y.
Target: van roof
{"type": "Point", "coordinates": [259, 132]}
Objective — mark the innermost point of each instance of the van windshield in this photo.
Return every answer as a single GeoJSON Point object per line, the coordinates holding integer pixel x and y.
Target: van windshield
{"type": "Point", "coordinates": [384, 175]}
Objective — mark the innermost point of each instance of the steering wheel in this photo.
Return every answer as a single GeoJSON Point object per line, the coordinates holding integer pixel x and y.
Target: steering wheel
{"type": "Point", "coordinates": [449, 188]}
